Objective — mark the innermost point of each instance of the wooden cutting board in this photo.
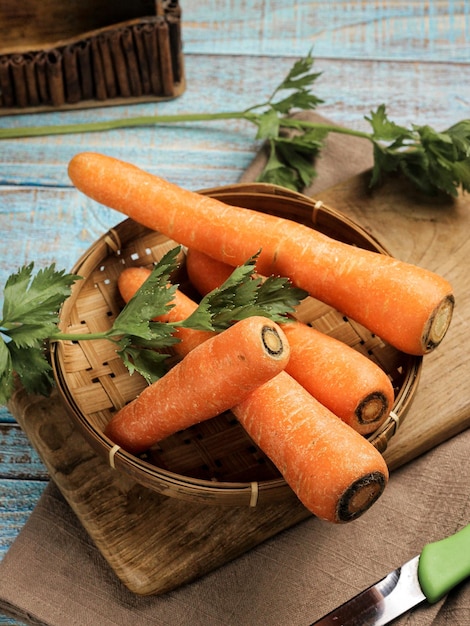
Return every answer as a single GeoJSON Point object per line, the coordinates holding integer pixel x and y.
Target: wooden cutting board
{"type": "Point", "coordinates": [154, 543]}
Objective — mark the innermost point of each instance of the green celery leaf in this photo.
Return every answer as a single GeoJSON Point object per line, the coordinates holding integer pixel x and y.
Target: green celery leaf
{"type": "Point", "coordinates": [388, 160]}
{"type": "Point", "coordinates": [415, 166]}
{"type": "Point", "coordinates": [35, 300]}
{"type": "Point", "coordinates": [243, 304]}
{"type": "Point", "coordinates": [433, 161]}
{"type": "Point", "coordinates": [461, 171]}
{"type": "Point", "coordinates": [147, 356]}
{"type": "Point", "coordinates": [298, 81]}
{"type": "Point", "coordinates": [150, 301]}
{"type": "Point", "coordinates": [310, 138]}
{"type": "Point", "coordinates": [298, 75]}
{"type": "Point", "coordinates": [297, 157]}
{"type": "Point", "coordinates": [6, 373]}
{"type": "Point", "coordinates": [291, 160]}
{"type": "Point", "coordinates": [33, 369]}
{"type": "Point", "coordinates": [298, 100]}
{"type": "Point", "coordinates": [226, 318]}
{"type": "Point", "coordinates": [148, 363]}
{"type": "Point", "coordinates": [236, 291]}
{"type": "Point", "coordinates": [273, 298]}
{"type": "Point", "coordinates": [268, 125]}
{"type": "Point", "coordinates": [460, 135]}
{"type": "Point", "coordinates": [30, 315]}
{"type": "Point", "coordinates": [32, 335]}
{"type": "Point", "coordinates": [380, 160]}
{"type": "Point", "coordinates": [161, 335]}
{"type": "Point", "coordinates": [384, 129]}
{"type": "Point", "coordinates": [273, 163]}
{"type": "Point", "coordinates": [448, 154]}
{"type": "Point", "coordinates": [279, 297]}
{"type": "Point", "coordinates": [437, 145]}
{"type": "Point", "coordinates": [280, 174]}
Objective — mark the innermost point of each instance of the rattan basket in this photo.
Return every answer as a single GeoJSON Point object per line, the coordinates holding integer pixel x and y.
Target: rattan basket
{"type": "Point", "coordinates": [214, 462]}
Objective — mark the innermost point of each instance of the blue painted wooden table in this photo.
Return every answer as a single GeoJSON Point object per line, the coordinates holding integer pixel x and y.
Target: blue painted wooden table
{"type": "Point", "coordinates": [412, 55]}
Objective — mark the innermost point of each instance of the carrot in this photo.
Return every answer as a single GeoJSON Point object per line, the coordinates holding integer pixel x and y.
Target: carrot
{"type": "Point", "coordinates": [132, 278]}
{"type": "Point", "coordinates": [204, 272]}
{"type": "Point", "coordinates": [407, 306]}
{"type": "Point", "coordinates": [334, 471]}
{"type": "Point", "coordinates": [209, 380]}
{"type": "Point", "coordinates": [351, 385]}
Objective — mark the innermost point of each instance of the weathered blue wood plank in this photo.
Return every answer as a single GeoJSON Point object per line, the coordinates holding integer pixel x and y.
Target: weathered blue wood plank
{"type": "Point", "coordinates": [48, 225]}
{"type": "Point", "coordinates": [18, 459]}
{"type": "Point", "coordinates": [18, 498]}
{"type": "Point", "coordinates": [384, 29]}
{"type": "Point", "coordinates": [8, 621]}
{"type": "Point", "coordinates": [5, 416]}
{"type": "Point", "coordinates": [214, 153]}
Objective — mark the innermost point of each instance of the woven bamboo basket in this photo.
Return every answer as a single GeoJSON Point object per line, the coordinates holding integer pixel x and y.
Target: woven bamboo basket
{"type": "Point", "coordinates": [88, 53]}
{"type": "Point", "coordinates": [215, 461]}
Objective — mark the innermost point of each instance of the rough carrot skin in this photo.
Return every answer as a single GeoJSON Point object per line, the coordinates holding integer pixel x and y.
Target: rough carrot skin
{"type": "Point", "coordinates": [396, 300]}
{"type": "Point", "coordinates": [334, 471]}
{"type": "Point", "coordinates": [132, 278]}
{"type": "Point", "coordinates": [209, 380]}
{"type": "Point", "coordinates": [352, 386]}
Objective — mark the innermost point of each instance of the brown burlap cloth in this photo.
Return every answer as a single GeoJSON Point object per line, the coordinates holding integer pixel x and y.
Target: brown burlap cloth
{"type": "Point", "coordinates": [53, 574]}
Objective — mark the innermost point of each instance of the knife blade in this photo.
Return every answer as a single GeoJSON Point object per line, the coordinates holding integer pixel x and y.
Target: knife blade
{"type": "Point", "coordinates": [440, 567]}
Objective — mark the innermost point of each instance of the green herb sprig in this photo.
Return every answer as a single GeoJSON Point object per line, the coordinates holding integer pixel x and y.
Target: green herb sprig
{"type": "Point", "coordinates": [433, 160]}
{"type": "Point", "coordinates": [31, 319]}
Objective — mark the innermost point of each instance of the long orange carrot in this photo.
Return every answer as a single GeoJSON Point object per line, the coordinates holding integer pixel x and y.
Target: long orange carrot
{"type": "Point", "coordinates": [209, 380]}
{"type": "Point", "coordinates": [334, 471]}
{"type": "Point", "coordinates": [347, 382]}
{"type": "Point", "coordinates": [132, 278]}
{"type": "Point", "coordinates": [405, 305]}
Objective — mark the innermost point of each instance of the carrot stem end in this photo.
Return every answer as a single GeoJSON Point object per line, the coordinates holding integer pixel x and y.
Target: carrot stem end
{"type": "Point", "coordinates": [372, 408]}
{"type": "Point", "coordinates": [272, 341]}
{"type": "Point", "coordinates": [439, 323]}
{"type": "Point", "coordinates": [360, 496]}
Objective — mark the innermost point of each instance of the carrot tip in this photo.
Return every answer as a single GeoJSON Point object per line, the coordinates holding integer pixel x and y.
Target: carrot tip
{"type": "Point", "coordinates": [372, 408]}
{"type": "Point", "coordinates": [439, 323]}
{"type": "Point", "coordinates": [272, 341]}
{"type": "Point", "coordinates": [360, 496]}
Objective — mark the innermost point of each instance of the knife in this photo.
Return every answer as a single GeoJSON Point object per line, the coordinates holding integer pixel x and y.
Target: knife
{"type": "Point", "coordinates": [429, 576]}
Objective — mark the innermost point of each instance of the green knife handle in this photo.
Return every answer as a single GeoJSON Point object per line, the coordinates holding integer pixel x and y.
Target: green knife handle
{"type": "Point", "coordinates": [444, 564]}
